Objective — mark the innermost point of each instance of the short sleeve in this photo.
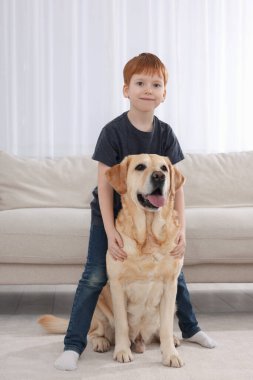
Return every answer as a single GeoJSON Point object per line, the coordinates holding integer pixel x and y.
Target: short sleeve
{"type": "Point", "coordinates": [172, 147]}
{"type": "Point", "coordinates": [105, 150]}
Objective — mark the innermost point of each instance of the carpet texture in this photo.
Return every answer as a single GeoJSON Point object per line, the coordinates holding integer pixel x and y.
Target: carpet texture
{"type": "Point", "coordinates": [31, 357]}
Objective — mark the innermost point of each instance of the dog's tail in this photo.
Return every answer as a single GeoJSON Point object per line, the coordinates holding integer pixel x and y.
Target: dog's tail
{"type": "Point", "coordinates": [52, 324]}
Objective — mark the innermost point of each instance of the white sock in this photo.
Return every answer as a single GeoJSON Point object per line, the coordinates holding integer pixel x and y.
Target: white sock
{"type": "Point", "coordinates": [203, 339]}
{"type": "Point", "coordinates": [67, 361]}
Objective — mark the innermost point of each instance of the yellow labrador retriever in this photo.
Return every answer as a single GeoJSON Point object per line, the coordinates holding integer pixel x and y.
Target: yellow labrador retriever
{"type": "Point", "coordinates": [138, 303]}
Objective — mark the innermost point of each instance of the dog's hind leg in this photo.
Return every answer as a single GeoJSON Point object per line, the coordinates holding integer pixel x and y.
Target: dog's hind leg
{"type": "Point", "coordinates": [138, 345]}
{"type": "Point", "coordinates": [100, 344]}
{"type": "Point", "coordinates": [176, 341]}
{"type": "Point", "coordinates": [97, 336]}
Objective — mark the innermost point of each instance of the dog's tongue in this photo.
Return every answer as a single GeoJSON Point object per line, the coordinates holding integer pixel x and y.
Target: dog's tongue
{"type": "Point", "coordinates": [156, 200]}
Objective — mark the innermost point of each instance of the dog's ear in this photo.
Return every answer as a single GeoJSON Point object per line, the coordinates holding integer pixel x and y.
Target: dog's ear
{"type": "Point", "coordinates": [117, 176]}
{"type": "Point", "coordinates": [176, 178]}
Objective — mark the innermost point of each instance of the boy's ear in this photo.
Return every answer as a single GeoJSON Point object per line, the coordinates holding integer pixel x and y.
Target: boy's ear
{"type": "Point", "coordinates": [164, 94]}
{"type": "Point", "coordinates": [125, 90]}
{"type": "Point", "coordinates": [117, 176]}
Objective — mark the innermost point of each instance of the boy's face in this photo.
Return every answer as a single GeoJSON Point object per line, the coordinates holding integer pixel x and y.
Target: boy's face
{"type": "Point", "coordinates": [145, 92]}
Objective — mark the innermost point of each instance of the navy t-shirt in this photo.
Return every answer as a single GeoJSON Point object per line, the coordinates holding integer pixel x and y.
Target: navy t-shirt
{"type": "Point", "coordinates": [120, 138]}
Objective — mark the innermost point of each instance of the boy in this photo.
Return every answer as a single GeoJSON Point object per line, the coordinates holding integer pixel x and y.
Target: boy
{"type": "Point", "coordinates": [133, 132]}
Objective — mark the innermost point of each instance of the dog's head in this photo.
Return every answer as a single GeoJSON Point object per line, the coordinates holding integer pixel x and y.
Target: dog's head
{"type": "Point", "coordinates": [148, 179]}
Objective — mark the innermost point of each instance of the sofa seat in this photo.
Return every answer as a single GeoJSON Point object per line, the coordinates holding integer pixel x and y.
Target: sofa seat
{"type": "Point", "coordinates": [219, 235]}
{"type": "Point", "coordinates": [45, 217]}
{"type": "Point", "coordinates": [44, 235]}
{"type": "Point", "coordinates": [60, 235]}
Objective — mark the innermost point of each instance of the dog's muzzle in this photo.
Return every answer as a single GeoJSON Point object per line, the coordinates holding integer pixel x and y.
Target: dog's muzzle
{"type": "Point", "coordinates": [155, 199]}
{"type": "Point", "coordinates": [158, 178]}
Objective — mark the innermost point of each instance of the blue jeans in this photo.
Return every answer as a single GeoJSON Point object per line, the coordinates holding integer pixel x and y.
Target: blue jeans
{"type": "Point", "coordinates": [90, 286]}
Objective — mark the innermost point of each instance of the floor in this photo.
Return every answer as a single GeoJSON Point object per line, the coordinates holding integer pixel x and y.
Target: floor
{"type": "Point", "coordinates": [211, 302]}
{"type": "Point", "coordinates": [219, 308]}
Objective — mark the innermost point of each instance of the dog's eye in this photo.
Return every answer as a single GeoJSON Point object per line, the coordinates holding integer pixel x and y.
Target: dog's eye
{"type": "Point", "coordinates": [140, 167]}
{"type": "Point", "coordinates": [164, 168]}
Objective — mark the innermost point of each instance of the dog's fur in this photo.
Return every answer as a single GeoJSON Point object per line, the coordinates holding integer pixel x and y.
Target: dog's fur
{"type": "Point", "coordinates": [137, 305]}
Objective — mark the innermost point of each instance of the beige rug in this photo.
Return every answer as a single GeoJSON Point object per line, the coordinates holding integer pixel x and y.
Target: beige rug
{"type": "Point", "coordinates": [27, 357]}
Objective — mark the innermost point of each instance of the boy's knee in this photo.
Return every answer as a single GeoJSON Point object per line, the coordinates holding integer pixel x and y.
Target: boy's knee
{"type": "Point", "coordinates": [96, 282]}
{"type": "Point", "coordinates": [95, 277]}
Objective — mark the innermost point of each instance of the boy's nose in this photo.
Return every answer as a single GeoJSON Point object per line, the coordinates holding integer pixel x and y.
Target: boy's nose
{"type": "Point", "coordinates": [148, 91]}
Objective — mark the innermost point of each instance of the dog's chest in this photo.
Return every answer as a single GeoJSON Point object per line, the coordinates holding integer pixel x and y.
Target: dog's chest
{"type": "Point", "coordinates": [150, 261]}
{"type": "Point", "coordinates": [143, 296]}
{"type": "Point", "coordinates": [152, 267]}
{"type": "Point", "coordinates": [143, 299]}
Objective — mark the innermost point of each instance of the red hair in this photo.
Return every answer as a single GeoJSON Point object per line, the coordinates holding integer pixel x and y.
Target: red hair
{"type": "Point", "coordinates": [144, 63]}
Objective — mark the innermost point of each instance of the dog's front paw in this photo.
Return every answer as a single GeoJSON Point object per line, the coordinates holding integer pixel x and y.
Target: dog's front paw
{"type": "Point", "coordinates": [100, 344]}
{"type": "Point", "coordinates": [173, 360]}
{"type": "Point", "coordinates": [123, 356]}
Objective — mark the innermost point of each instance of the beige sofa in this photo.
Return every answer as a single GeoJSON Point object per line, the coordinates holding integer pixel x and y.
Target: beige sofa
{"type": "Point", "coordinates": [45, 218]}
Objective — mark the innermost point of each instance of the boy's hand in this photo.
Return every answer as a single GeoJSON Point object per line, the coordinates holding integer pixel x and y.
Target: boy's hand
{"type": "Point", "coordinates": [115, 246]}
{"type": "Point", "coordinates": [179, 250]}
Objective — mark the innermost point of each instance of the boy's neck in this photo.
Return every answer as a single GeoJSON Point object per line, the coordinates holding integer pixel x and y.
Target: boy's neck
{"type": "Point", "coordinates": [141, 120]}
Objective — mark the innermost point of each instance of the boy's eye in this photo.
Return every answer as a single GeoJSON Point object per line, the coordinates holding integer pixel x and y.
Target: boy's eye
{"type": "Point", "coordinates": [139, 83]}
{"type": "Point", "coordinates": [157, 85]}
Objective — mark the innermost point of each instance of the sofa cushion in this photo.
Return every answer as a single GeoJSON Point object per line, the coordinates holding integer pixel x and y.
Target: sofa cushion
{"type": "Point", "coordinates": [218, 180]}
{"type": "Point", "coordinates": [60, 236]}
{"type": "Point", "coordinates": [59, 182]}
{"type": "Point", "coordinates": [44, 235]}
{"type": "Point", "coordinates": [219, 235]}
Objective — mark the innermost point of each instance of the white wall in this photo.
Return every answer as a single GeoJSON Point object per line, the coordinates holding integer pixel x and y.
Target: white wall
{"type": "Point", "coordinates": [61, 67]}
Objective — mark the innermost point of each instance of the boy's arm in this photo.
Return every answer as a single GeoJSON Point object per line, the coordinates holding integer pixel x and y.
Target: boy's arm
{"type": "Point", "coordinates": [105, 195]}
{"type": "Point", "coordinates": [178, 251]}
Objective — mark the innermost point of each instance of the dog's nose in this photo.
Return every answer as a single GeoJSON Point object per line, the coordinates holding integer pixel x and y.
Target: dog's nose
{"type": "Point", "coordinates": [158, 177]}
